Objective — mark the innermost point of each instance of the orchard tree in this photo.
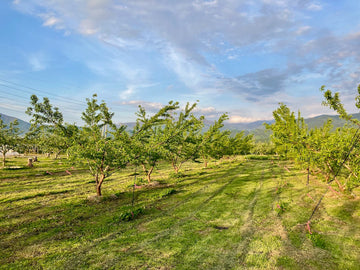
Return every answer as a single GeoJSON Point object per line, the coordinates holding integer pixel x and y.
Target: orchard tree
{"type": "Point", "coordinates": [347, 137]}
{"type": "Point", "coordinates": [263, 148]}
{"type": "Point", "coordinates": [241, 144]}
{"type": "Point", "coordinates": [101, 143]}
{"type": "Point", "coordinates": [213, 141]}
{"type": "Point", "coordinates": [48, 128]}
{"type": "Point", "coordinates": [9, 137]}
{"type": "Point", "coordinates": [288, 133]}
{"type": "Point", "coordinates": [148, 138]}
{"type": "Point", "coordinates": [182, 137]}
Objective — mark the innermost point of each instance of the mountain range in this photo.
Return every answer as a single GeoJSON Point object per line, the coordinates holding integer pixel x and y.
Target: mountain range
{"type": "Point", "coordinates": [256, 128]}
{"type": "Point", "coordinates": [23, 126]}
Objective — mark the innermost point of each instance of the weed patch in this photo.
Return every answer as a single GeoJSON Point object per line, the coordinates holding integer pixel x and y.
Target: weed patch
{"type": "Point", "coordinates": [131, 214]}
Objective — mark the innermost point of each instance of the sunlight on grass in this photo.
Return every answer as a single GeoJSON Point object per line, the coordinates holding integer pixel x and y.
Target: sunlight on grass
{"type": "Point", "coordinates": [225, 217]}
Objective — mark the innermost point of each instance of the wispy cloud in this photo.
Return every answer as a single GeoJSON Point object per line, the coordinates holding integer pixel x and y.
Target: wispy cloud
{"type": "Point", "coordinates": [240, 119]}
{"type": "Point", "coordinates": [37, 61]}
{"type": "Point", "coordinates": [315, 6]}
{"type": "Point", "coordinates": [149, 106]}
{"type": "Point", "coordinates": [127, 93]}
{"type": "Point", "coordinates": [50, 21]}
{"type": "Point", "coordinates": [194, 41]}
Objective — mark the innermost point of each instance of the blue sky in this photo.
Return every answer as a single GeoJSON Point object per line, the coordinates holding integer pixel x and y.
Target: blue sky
{"type": "Point", "coordinates": [235, 56]}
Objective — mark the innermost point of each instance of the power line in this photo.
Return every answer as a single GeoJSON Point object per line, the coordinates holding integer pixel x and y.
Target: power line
{"type": "Point", "coordinates": [38, 90]}
{"type": "Point", "coordinates": [56, 96]}
{"type": "Point", "coordinates": [70, 109]}
{"type": "Point", "coordinates": [7, 85]}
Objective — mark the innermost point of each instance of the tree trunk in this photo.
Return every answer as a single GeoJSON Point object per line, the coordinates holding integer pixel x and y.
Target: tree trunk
{"type": "Point", "coordinates": [308, 176]}
{"type": "Point", "coordinates": [4, 158]}
{"type": "Point", "coordinates": [99, 183]}
{"type": "Point", "coordinates": [175, 167]}
{"type": "Point", "coordinates": [205, 163]}
{"type": "Point", "coordinates": [144, 168]}
{"type": "Point", "coordinates": [339, 185]}
{"type": "Point", "coordinates": [98, 189]}
{"type": "Point", "coordinates": [149, 174]}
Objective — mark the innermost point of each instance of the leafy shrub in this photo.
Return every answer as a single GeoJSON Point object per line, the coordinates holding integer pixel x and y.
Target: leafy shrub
{"type": "Point", "coordinates": [131, 214]}
{"type": "Point", "coordinates": [281, 207]}
{"type": "Point", "coordinates": [283, 187]}
{"type": "Point", "coordinates": [317, 240]}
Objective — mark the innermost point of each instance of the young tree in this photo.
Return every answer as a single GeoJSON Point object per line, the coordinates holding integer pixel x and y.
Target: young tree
{"type": "Point", "coordinates": [100, 142]}
{"type": "Point", "coordinates": [213, 141]}
{"type": "Point", "coordinates": [148, 138]}
{"type": "Point", "coordinates": [347, 140]}
{"type": "Point", "coordinates": [182, 137]}
{"type": "Point", "coordinates": [241, 144]}
{"type": "Point", "coordinates": [48, 128]}
{"type": "Point", "coordinates": [9, 137]}
{"type": "Point", "coordinates": [288, 133]}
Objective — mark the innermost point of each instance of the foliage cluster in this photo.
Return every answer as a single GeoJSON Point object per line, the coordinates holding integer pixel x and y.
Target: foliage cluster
{"type": "Point", "coordinates": [322, 150]}
{"type": "Point", "coordinates": [171, 134]}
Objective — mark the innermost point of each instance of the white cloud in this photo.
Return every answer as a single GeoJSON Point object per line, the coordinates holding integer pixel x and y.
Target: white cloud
{"type": "Point", "coordinates": [314, 7]}
{"type": "Point", "coordinates": [51, 21]}
{"type": "Point", "coordinates": [87, 27]}
{"type": "Point", "coordinates": [186, 35]}
{"type": "Point", "coordinates": [205, 110]}
{"type": "Point", "coordinates": [303, 29]}
{"type": "Point", "coordinates": [239, 119]}
{"type": "Point", "coordinates": [127, 93]}
{"type": "Point", "coordinates": [37, 61]}
{"type": "Point", "coordinates": [149, 106]}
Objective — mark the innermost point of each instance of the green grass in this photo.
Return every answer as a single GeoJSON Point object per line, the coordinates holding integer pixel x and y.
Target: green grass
{"type": "Point", "coordinates": [235, 214]}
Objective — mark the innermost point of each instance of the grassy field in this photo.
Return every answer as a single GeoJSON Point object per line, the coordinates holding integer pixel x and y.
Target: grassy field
{"type": "Point", "coordinates": [235, 214]}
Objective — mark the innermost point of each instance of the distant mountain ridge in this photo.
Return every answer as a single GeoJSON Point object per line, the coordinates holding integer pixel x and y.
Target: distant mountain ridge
{"type": "Point", "coordinates": [261, 134]}
{"type": "Point", "coordinates": [256, 128]}
{"type": "Point", "coordinates": [23, 126]}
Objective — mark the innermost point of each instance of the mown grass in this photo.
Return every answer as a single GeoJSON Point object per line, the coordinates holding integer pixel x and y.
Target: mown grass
{"type": "Point", "coordinates": [235, 214]}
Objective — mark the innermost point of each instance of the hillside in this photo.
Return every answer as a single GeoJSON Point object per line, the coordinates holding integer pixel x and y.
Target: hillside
{"type": "Point", "coordinates": [261, 134]}
{"type": "Point", "coordinates": [24, 126]}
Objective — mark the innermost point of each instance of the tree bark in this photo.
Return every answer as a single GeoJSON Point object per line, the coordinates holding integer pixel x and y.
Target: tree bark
{"type": "Point", "coordinates": [99, 183]}
{"type": "Point", "coordinates": [4, 158]}
{"type": "Point", "coordinates": [175, 167]}
{"type": "Point", "coordinates": [205, 163]}
{"type": "Point", "coordinates": [339, 185]}
{"type": "Point", "coordinates": [144, 168]}
{"type": "Point", "coordinates": [98, 189]}
{"type": "Point", "coordinates": [149, 174]}
{"type": "Point", "coordinates": [308, 176]}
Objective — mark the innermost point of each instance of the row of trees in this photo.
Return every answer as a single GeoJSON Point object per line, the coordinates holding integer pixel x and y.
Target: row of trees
{"type": "Point", "coordinates": [333, 154]}
{"type": "Point", "coordinates": [171, 134]}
